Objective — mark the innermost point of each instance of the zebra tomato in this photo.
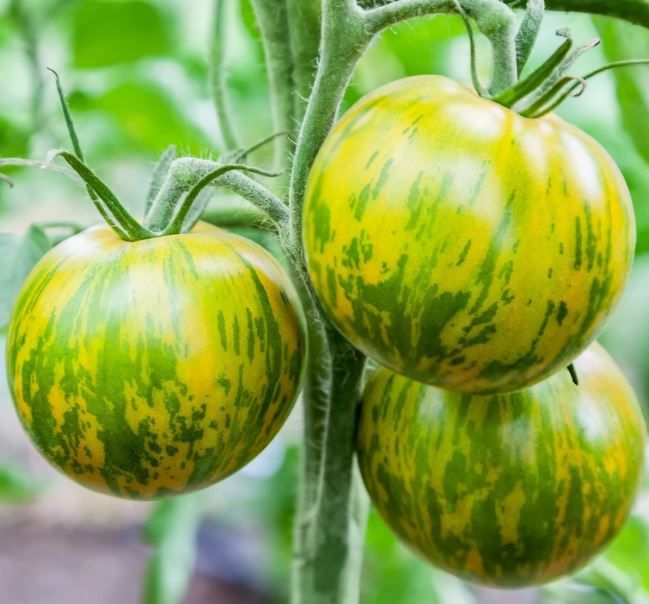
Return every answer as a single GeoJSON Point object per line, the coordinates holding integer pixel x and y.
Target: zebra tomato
{"type": "Point", "coordinates": [461, 244]}
{"type": "Point", "coordinates": [154, 367]}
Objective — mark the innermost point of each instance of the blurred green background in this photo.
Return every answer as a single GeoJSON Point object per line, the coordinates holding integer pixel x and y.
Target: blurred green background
{"type": "Point", "coordinates": [136, 75]}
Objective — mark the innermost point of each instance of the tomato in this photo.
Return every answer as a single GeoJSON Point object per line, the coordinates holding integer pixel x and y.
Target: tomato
{"type": "Point", "coordinates": [505, 489]}
{"type": "Point", "coordinates": [154, 367]}
{"type": "Point", "coordinates": [461, 244]}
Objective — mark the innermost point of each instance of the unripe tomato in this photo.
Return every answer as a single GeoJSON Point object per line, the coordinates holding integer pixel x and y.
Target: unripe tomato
{"type": "Point", "coordinates": [505, 489]}
{"type": "Point", "coordinates": [461, 244]}
{"type": "Point", "coordinates": [155, 367]}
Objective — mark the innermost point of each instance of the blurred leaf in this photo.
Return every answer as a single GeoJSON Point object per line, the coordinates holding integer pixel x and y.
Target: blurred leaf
{"type": "Point", "coordinates": [630, 551]}
{"type": "Point", "coordinates": [146, 115]}
{"type": "Point", "coordinates": [19, 254]}
{"type": "Point", "coordinates": [394, 574]}
{"type": "Point", "coordinates": [421, 46]}
{"type": "Point", "coordinates": [171, 530]}
{"type": "Point", "coordinates": [623, 41]}
{"type": "Point", "coordinates": [13, 139]}
{"type": "Point", "coordinates": [636, 174]}
{"type": "Point", "coordinates": [17, 486]}
{"type": "Point", "coordinates": [105, 33]}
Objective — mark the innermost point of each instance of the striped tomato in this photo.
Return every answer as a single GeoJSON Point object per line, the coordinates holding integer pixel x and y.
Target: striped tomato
{"type": "Point", "coordinates": [461, 244]}
{"type": "Point", "coordinates": [155, 367]}
{"type": "Point", "coordinates": [504, 489]}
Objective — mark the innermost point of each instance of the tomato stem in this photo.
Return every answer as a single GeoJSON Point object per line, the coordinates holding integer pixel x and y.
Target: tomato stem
{"type": "Point", "coordinates": [160, 171]}
{"type": "Point", "coordinates": [241, 154]}
{"type": "Point", "coordinates": [559, 92]}
{"type": "Point", "coordinates": [528, 32]}
{"type": "Point", "coordinates": [217, 76]}
{"type": "Point", "coordinates": [560, 72]}
{"type": "Point", "coordinates": [179, 222]}
{"type": "Point", "coordinates": [634, 11]}
{"type": "Point", "coordinates": [538, 76]}
{"type": "Point", "coordinates": [545, 105]}
{"type": "Point", "coordinates": [111, 209]}
{"type": "Point", "coordinates": [474, 63]}
{"type": "Point", "coordinates": [272, 18]}
{"type": "Point", "coordinates": [494, 19]}
{"type": "Point", "coordinates": [185, 172]}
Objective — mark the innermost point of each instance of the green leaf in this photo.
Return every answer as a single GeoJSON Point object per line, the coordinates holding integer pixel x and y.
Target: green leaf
{"type": "Point", "coordinates": [17, 486]}
{"type": "Point", "coordinates": [171, 530]}
{"type": "Point", "coordinates": [13, 139]}
{"type": "Point", "coordinates": [19, 254]}
{"type": "Point", "coordinates": [623, 41]}
{"type": "Point", "coordinates": [105, 33]}
{"type": "Point", "coordinates": [394, 574]}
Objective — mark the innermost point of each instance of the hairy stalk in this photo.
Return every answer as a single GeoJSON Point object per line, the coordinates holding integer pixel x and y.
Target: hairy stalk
{"type": "Point", "coordinates": [331, 520]}
{"type": "Point", "coordinates": [272, 17]}
{"type": "Point", "coordinates": [331, 571]}
{"type": "Point", "coordinates": [344, 38]}
{"type": "Point", "coordinates": [158, 176]}
{"type": "Point", "coordinates": [475, 78]}
{"type": "Point", "coordinates": [186, 172]}
{"type": "Point", "coordinates": [528, 32]}
{"type": "Point", "coordinates": [634, 11]}
{"type": "Point", "coordinates": [217, 76]}
{"type": "Point", "coordinates": [304, 23]}
{"type": "Point", "coordinates": [494, 19]}
{"type": "Point", "coordinates": [328, 540]}
{"type": "Point", "coordinates": [327, 559]}
{"type": "Point", "coordinates": [182, 221]}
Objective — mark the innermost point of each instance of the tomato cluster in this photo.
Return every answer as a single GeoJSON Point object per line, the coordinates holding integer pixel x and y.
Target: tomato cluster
{"type": "Point", "coordinates": [470, 251]}
{"type": "Point", "coordinates": [474, 253]}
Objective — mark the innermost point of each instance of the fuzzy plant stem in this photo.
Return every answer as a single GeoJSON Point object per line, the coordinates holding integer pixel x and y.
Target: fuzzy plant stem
{"type": "Point", "coordinates": [272, 17]}
{"type": "Point", "coordinates": [331, 508]}
{"type": "Point", "coordinates": [186, 172]}
{"type": "Point", "coordinates": [634, 11]}
{"type": "Point", "coordinates": [217, 76]}
{"type": "Point", "coordinates": [304, 25]}
{"type": "Point", "coordinates": [493, 18]}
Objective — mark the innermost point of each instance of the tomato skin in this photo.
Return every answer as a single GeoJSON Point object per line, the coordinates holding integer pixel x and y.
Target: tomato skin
{"type": "Point", "coordinates": [511, 489]}
{"type": "Point", "coordinates": [460, 244]}
{"type": "Point", "coordinates": [156, 367]}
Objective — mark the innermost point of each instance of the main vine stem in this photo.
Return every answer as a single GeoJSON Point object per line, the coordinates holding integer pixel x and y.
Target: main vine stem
{"type": "Point", "coordinates": [332, 509]}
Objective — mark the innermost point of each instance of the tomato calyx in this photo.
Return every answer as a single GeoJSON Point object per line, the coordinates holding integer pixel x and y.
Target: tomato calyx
{"type": "Point", "coordinates": [175, 213]}
{"type": "Point", "coordinates": [549, 85]}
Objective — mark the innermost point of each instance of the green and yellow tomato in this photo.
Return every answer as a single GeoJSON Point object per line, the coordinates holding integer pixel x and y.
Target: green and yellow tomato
{"type": "Point", "coordinates": [155, 367]}
{"type": "Point", "coordinates": [504, 489]}
{"type": "Point", "coordinates": [461, 244]}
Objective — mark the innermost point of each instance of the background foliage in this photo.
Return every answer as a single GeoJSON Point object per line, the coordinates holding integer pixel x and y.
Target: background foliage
{"type": "Point", "coordinates": [137, 80]}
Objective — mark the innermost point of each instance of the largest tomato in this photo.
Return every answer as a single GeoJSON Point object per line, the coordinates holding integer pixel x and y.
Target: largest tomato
{"type": "Point", "coordinates": [461, 244]}
{"type": "Point", "coordinates": [154, 367]}
{"type": "Point", "coordinates": [509, 489]}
